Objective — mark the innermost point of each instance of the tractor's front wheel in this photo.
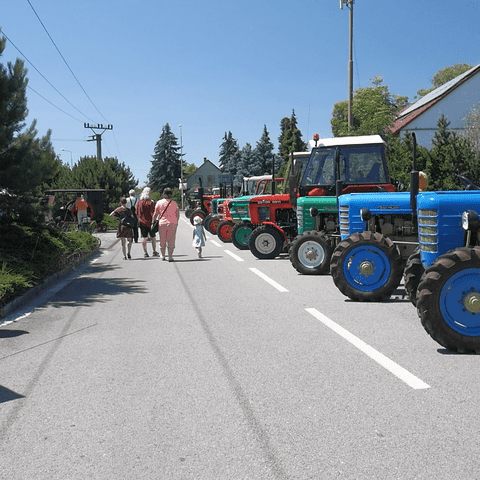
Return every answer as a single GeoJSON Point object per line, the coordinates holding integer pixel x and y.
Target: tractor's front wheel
{"type": "Point", "coordinates": [448, 300]}
{"type": "Point", "coordinates": [311, 252]}
{"type": "Point", "coordinates": [197, 213]}
{"type": "Point", "coordinates": [241, 235]}
{"type": "Point", "coordinates": [188, 211]}
{"type": "Point", "coordinates": [412, 275]}
{"type": "Point", "coordinates": [366, 267]}
{"type": "Point", "coordinates": [207, 222]}
{"type": "Point", "coordinates": [266, 242]}
{"type": "Point", "coordinates": [224, 231]}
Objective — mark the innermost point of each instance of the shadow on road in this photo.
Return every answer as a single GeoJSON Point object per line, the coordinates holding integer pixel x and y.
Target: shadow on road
{"type": "Point", "coordinates": [6, 395]}
{"type": "Point", "coordinates": [85, 291]}
{"type": "Point", "coordinates": [11, 333]}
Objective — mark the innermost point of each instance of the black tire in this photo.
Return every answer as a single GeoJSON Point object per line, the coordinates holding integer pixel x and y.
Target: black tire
{"type": "Point", "coordinates": [241, 235]}
{"type": "Point", "coordinates": [224, 231]}
{"type": "Point", "coordinates": [213, 225]}
{"type": "Point", "coordinates": [266, 242]}
{"type": "Point", "coordinates": [310, 253]}
{"type": "Point", "coordinates": [207, 220]}
{"type": "Point", "coordinates": [188, 211]}
{"type": "Point", "coordinates": [448, 300]}
{"type": "Point", "coordinates": [412, 275]}
{"type": "Point", "coordinates": [366, 267]}
{"type": "Point", "coordinates": [197, 213]}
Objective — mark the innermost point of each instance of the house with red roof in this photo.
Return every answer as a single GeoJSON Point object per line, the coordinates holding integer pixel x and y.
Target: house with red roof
{"type": "Point", "coordinates": [454, 99]}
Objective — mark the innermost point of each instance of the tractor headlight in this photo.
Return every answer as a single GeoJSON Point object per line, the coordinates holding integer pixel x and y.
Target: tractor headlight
{"type": "Point", "coordinates": [313, 211]}
{"type": "Point", "coordinates": [470, 220]}
{"type": "Point", "coordinates": [365, 214]}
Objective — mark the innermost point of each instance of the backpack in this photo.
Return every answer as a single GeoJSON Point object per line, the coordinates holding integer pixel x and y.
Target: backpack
{"type": "Point", "coordinates": [127, 221]}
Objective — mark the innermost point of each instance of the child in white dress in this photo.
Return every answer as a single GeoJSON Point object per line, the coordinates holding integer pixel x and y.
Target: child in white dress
{"type": "Point", "coordinates": [199, 237]}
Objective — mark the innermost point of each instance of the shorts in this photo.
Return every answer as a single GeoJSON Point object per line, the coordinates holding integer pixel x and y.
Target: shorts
{"type": "Point", "coordinates": [145, 231]}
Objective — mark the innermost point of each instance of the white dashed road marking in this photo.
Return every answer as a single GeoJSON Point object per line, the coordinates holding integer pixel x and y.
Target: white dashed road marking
{"type": "Point", "coordinates": [273, 283]}
{"type": "Point", "coordinates": [375, 355]}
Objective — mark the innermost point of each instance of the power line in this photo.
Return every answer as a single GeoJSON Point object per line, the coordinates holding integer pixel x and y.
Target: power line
{"type": "Point", "coordinates": [66, 63]}
{"type": "Point", "coordinates": [46, 79]}
{"type": "Point", "coordinates": [53, 105]}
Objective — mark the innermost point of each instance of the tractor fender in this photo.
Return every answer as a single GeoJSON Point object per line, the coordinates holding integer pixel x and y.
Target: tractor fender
{"type": "Point", "coordinates": [276, 227]}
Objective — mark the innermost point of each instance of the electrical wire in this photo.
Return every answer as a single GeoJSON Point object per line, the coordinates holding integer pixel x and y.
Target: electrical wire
{"type": "Point", "coordinates": [46, 79]}
{"type": "Point", "coordinates": [66, 63]}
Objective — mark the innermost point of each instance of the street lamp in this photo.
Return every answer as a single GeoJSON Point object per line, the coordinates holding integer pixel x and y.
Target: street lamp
{"type": "Point", "coordinates": [181, 163]}
{"type": "Point", "coordinates": [71, 157]}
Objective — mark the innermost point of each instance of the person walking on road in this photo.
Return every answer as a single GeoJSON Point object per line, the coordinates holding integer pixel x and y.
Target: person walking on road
{"type": "Point", "coordinates": [145, 209]}
{"type": "Point", "coordinates": [199, 237]}
{"type": "Point", "coordinates": [123, 232]}
{"type": "Point", "coordinates": [132, 205]}
{"type": "Point", "coordinates": [167, 213]}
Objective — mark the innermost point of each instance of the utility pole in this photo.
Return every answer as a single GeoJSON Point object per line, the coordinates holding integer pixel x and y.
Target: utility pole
{"type": "Point", "coordinates": [97, 137]}
{"type": "Point", "coordinates": [349, 4]}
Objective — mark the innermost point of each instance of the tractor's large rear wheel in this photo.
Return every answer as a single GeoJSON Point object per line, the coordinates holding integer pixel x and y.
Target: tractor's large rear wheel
{"type": "Point", "coordinates": [266, 242]}
{"type": "Point", "coordinates": [310, 253]}
{"type": "Point", "coordinates": [224, 231]}
{"type": "Point", "coordinates": [448, 300]}
{"type": "Point", "coordinates": [412, 275]}
{"type": "Point", "coordinates": [366, 267]}
{"type": "Point", "coordinates": [197, 213]}
{"type": "Point", "coordinates": [241, 235]}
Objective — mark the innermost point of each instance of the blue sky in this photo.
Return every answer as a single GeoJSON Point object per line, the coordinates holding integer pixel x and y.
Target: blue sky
{"type": "Point", "coordinates": [215, 66]}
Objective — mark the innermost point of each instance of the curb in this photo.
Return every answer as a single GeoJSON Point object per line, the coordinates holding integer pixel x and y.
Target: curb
{"type": "Point", "coordinates": [37, 289]}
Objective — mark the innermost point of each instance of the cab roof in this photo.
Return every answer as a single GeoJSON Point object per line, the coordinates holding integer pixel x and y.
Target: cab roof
{"type": "Point", "coordinates": [341, 141]}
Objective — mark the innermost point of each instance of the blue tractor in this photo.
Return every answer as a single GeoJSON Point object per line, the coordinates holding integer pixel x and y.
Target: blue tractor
{"type": "Point", "coordinates": [380, 238]}
{"type": "Point", "coordinates": [448, 293]}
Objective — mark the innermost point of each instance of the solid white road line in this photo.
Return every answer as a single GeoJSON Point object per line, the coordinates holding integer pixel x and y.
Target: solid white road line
{"type": "Point", "coordinates": [381, 359]}
{"type": "Point", "coordinates": [215, 243]}
{"type": "Point", "coordinates": [273, 283]}
{"type": "Point", "coordinates": [236, 257]}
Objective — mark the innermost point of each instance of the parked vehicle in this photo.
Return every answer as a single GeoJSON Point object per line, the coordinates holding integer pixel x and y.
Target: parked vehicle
{"type": "Point", "coordinates": [199, 205]}
{"type": "Point", "coordinates": [387, 235]}
{"type": "Point", "coordinates": [448, 293]}
{"type": "Point", "coordinates": [360, 166]}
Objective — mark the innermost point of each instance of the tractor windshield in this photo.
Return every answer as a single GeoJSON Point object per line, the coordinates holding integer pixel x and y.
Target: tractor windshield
{"type": "Point", "coordinates": [359, 164]}
{"type": "Point", "coordinates": [300, 164]}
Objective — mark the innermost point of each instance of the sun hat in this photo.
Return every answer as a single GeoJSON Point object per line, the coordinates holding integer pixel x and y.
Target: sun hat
{"type": "Point", "coordinates": [197, 220]}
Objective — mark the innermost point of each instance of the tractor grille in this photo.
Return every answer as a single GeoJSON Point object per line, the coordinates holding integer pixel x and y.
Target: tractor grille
{"type": "Point", "coordinates": [242, 210]}
{"type": "Point", "coordinates": [344, 211]}
{"type": "Point", "coordinates": [300, 217]}
{"type": "Point", "coordinates": [428, 229]}
{"type": "Point", "coordinates": [264, 214]}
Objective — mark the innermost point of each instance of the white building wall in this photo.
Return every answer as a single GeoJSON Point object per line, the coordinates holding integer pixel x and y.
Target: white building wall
{"type": "Point", "coordinates": [455, 106]}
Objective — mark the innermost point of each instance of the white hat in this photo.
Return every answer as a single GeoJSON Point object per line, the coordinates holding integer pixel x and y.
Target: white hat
{"type": "Point", "coordinates": [197, 220]}
{"type": "Point", "coordinates": [132, 192]}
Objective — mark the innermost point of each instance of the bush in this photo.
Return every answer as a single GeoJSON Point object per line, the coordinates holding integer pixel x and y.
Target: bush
{"type": "Point", "coordinates": [31, 252]}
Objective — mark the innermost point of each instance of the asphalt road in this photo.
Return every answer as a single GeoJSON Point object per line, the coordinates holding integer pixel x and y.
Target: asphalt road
{"type": "Point", "coordinates": [227, 367]}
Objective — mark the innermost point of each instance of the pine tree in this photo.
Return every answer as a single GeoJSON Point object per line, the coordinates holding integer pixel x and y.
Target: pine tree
{"type": "Point", "coordinates": [27, 162]}
{"type": "Point", "coordinates": [444, 159]}
{"type": "Point", "coordinates": [166, 163]}
{"type": "Point", "coordinates": [244, 168]}
{"type": "Point", "coordinates": [290, 139]}
{"type": "Point", "coordinates": [229, 154]}
{"type": "Point", "coordinates": [263, 156]}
